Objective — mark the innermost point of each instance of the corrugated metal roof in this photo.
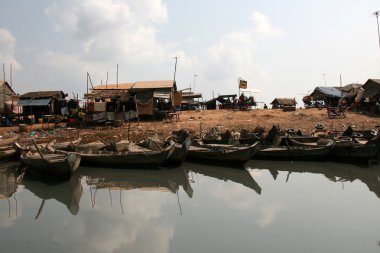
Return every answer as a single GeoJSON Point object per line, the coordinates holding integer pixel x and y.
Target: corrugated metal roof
{"type": "Point", "coordinates": [154, 84]}
{"type": "Point", "coordinates": [43, 94]}
{"type": "Point", "coordinates": [34, 102]}
{"type": "Point", "coordinates": [137, 85]}
{"type": "Point", "coordinates": [120, 86]}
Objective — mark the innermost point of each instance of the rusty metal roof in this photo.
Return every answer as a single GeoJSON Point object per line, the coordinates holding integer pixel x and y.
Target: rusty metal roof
{"type": "Point", "coordinates": [137, 85]}
{"type": "Point", "coordinates": [120, 86]}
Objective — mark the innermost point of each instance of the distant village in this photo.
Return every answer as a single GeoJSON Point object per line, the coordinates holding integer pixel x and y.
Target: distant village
{"type": "Point", "coordinates": [116, 103]}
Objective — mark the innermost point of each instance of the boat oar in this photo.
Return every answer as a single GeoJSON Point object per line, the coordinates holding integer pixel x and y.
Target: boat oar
{"type": "Point", "coordinates": [38, 149]}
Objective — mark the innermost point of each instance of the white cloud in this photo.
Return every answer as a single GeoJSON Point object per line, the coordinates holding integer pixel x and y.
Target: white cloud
{"type": "Point", "coordinates": [269, 213]}
{"type": "Point", "coordinates": [110, 32]}
{"type": "Point", "coordinates": [120, 232]}
{"type": "Point", "coordinates": [233, 55]}
{"type": "Point", "coordinates": [7, 49]}
{"type": "Point", "coordinates": [263, 26]}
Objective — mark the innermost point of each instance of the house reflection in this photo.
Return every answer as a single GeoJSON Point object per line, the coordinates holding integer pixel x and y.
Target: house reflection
{"type": "Point", "coordinates": [10, 177]}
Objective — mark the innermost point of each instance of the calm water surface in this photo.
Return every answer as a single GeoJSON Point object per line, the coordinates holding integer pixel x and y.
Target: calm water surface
{"type": "Point", "coordinates": [267, 207]}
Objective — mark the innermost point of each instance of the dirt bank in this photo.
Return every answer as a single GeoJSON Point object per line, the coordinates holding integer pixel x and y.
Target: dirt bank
{"type": "Point", "coordinates": [303, 119]}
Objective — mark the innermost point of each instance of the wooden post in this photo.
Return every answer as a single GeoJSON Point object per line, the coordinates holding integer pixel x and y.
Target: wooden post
{"type": "Point", "coordinates": [129, 124]}
{"type": "Point", "coordinates": [38, 149]}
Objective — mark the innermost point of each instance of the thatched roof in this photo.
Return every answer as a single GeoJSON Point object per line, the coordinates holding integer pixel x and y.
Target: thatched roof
{"type": "Point", "coordinates": [44, 94]}
{"type": "Point", "coordinates": [284, 101]}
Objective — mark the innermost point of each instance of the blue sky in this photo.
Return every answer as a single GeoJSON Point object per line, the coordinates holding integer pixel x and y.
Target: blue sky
{"type": "Point", "coordinates": [282, 48]}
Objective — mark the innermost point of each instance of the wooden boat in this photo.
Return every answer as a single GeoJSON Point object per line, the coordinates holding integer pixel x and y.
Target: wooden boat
{"type": "Point", "coordinates": [134, 157]}
{"type": "Point", "coordinates": [245, 137]}
{"type": "Point", "coordinates": [7, 141]}
{"type": "Point", "coordinates": [182, 141]}
{"type": "Point", "coordinates": [216, 153]}
{"type": "Point", "coordinates": [8, 152]}
{"type": "Point", "coordinates": [55, 165]}
{"type": "Point", "coordinates": [346, 148]}
{"type": "Point", "coordinates": [67, 145]}
{"type": "Point", "coordinates": [351, 150]}
{"type": "Point", "coordinates": [90, 147]}
{"type": "Point", "coordinates": [292, 149]}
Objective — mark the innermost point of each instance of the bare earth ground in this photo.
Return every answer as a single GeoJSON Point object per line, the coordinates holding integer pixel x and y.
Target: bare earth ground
{"type": "Point", "coordinates": [195, 121]}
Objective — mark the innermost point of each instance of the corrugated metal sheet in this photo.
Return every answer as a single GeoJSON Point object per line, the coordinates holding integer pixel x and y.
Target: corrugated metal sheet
{"type": "Point", "coordinates": [154, 84]}
{"type": "Point", "coordinates": [120, 86]}
{"type": "Point", "coordinates": [137, 85]}
{"type": "Point", "coordinates": [34, 102]}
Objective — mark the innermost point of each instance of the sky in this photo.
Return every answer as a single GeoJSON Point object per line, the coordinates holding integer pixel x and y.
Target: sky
{"type": "Point", "coordinates": [282, 48]}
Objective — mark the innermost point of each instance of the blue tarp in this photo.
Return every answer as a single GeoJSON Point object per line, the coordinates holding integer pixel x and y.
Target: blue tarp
{"type": "Point", "coordinates": [325, 92]}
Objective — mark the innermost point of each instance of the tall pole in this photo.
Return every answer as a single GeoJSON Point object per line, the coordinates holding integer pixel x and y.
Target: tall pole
{"type": "Point", "coordinates": [175, 66]}
{"type": "Point", "coordinates": [87, 95]}
{"type": "Point", "coordinates": [377, 13]}
{"type": "Point", "coordinates": [195, 75]}
{"type": "Point", "coordinates": [11, 75]}
{"type": "Point", "coordinates": [117, 76]}
{"type": "Point", "coordinates": [324, 77]}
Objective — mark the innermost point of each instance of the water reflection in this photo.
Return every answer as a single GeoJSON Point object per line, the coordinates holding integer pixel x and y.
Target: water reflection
{"type": "Point", "coordinates": [11, 174]}
{"type": "Point", "coordinates": [68, 193]}
{"type": "Point", "coordinates": [286, 197]}
{"type": "Point", "coordinates": [236, 175]}
{"type": "Point", "coordinates": [336, 172]}
{"type": "Point", "coordinates": [10, 177]}
{"type": "Point", "coordinates": [152, 180]}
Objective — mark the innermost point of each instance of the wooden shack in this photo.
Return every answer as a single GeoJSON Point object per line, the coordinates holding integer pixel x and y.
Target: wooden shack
{"type": "Point", "coordinates": [371, 90]}
{"type": "Point", "coordinates": [7, 98]}
{"type": "Point", "coordinates": [39, 103]}
{"type": "Point", "coordinates": [142, 97]}
{"type": "Point", "coordinates": [280, 103]}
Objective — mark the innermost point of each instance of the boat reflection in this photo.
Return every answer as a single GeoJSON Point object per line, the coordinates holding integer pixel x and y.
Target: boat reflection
{"type": "Point", "coordinates": [122, 179]}
{"type": "Point", "coordinates": [68, 193]}
{"type": "Point", "coordinates": [336, 172]}
{"type": "Point", "coordinates": [240, 176]}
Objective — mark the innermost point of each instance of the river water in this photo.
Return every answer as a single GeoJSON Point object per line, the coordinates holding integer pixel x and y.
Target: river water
{"type": "Point", "coordinates": [266, 207]}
